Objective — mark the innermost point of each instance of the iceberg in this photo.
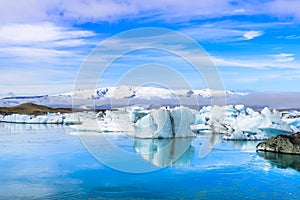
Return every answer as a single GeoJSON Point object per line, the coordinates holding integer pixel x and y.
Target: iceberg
{"type": "Point", "coordinates": [182, 118]}
{"type": "Point", "coordinates": [116, 121]}
{"type": "Point", "coordinates": [157, 124]}
{"type": "Point", "coordinates": [240, 123]}
{"type": "Point", "coordinates": [50, 118]}
{"type": "Point", "coordinates": [109, 121]}
{"type": "Point", "coordinates": [137, 113]}
{"type": "Point", "coordinates": [292, 118]}
{"type": "Point", "coordinates": [165, 123]}
{"type": "Point", "coordinates": [31, 119]}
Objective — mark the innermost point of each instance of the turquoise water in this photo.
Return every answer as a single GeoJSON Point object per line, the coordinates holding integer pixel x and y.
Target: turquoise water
{"type": "Point", "coordinates": [45, 162]}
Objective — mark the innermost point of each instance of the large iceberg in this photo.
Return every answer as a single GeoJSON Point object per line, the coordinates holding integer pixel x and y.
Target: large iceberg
{"type": "Point", "coordinates": [165, 123]}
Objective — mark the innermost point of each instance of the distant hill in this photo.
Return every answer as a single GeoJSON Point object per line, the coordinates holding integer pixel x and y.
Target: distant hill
{"type": "Point", "coordinates": [32, 109]}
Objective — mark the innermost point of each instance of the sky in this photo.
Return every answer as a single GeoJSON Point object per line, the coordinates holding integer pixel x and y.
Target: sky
{"type": "Point", "coordinates": [254, 44]}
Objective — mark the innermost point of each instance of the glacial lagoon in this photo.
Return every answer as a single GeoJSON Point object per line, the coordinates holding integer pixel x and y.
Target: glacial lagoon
{"type": "Point", "coordinates": [47, 162]}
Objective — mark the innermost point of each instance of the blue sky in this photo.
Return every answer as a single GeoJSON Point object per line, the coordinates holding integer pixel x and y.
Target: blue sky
{"type": "Point", "coordinates": [253, 43]}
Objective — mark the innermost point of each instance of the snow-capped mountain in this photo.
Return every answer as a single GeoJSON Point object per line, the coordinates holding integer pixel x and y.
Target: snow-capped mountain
{"type": "Point", "coordinates": [121, 96]}
{"type": "Point", "coordinates": [150, 97]}
{"type": "Point", "coordinates": [131, 92]}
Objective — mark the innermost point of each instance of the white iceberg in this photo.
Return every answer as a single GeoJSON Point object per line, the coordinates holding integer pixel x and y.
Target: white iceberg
{"type": "Point", "coordinates": [165, 123]}
{"type": "Point", "coordinates": [182, 118]}
{"type": "Point", "coordinates": [292, 118]}
{"type": "Point", "coordinates": [157, 124]}
{"type": "Point", "coordinates": [50, 118]}
{"type": "Point", "coordinates": [108, 121]}
{"type": "Point", "coordinates": [137, 113]}
{"type": "Point", "coordinates": [241, 123]}
{"type": "Point", "coordinates": [116, 121]}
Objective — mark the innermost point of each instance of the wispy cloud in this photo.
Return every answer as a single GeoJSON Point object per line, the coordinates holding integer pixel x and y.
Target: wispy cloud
{"type": "Point", "coordinates": [281, 61]}
{"type": "Point", "coordinates": [284, 57]}
{"type": "Point", "coordinates": [42, 43]}
{"type": "Point", "coordinates": [283, 8]}
{"type": "Point", "coordinates": [36, 33]}
{"type": "Point", "coordinates": [249, 35]}
{"type": "Point", "coordinates": [218, 32]}
{"type": "Point", "coordinates": [232, 30]}
{"type": "Point", "coordinates": [292, 37]}
{"type": "Point", "coordinates": [99, 11]}
{"type": "Point", "coordinates": [94, 10]}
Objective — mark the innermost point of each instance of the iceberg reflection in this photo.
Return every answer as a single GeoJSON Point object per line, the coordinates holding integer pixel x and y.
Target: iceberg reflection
{"type": "Point", "coordinates": [163, 152]}
{"type": "Point", "coordinates": [282, 161]}
{"type": "Point", "coordinates": [245, 146]}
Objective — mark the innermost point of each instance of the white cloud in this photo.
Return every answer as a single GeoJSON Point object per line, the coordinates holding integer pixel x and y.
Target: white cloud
{"type": "Point", "coordinates": [292, 37]}
{"type": "Point", "coordinates": [281, 61]}
{"type": "Point", "coordinates": [283, 8]}
{"type": "Point", "coordinates": [103, 10]}
{"type": "Point", "coordinates": [42, 43]}
{"type": "Point", "coordinates": [45, 32]}
{"type": "Point", "coordinates": [228, 30]}
{"type": "Point", "coordinates": [284, 57]}
{"type": "Point", "coordinates": [33, 52]}
{"type": "Point", "coordinates": [249, 35]}
{"type": "Point", "coordinates": [24, 11]}
{"type": "Point", "coordinates": [213, 34]}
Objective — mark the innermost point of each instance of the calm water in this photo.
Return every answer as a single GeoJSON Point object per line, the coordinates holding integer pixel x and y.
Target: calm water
{"type": "Point", "coordinates": [45, 162]}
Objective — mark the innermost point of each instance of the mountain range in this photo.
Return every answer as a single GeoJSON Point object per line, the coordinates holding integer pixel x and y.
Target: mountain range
{"type": "Point", "coordinates": [150, 97]}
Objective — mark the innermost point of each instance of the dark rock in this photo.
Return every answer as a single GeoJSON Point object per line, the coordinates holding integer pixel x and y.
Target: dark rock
{"type": "Point", "coordinates": [281, 144]}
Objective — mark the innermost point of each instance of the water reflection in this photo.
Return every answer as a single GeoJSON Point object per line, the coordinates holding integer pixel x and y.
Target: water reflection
{"type": "Point", "coordinates": [163, 152]}
{"type": "Point", "coordinates": [210, 141]}
{"type": "Point", "coordinates": [245, 146]}
{"type": "Point", "coordinates": [282, 161]}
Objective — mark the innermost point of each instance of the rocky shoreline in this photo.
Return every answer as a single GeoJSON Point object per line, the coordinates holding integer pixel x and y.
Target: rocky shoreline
{"type": "Point", "coordinates": [288, 144]}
